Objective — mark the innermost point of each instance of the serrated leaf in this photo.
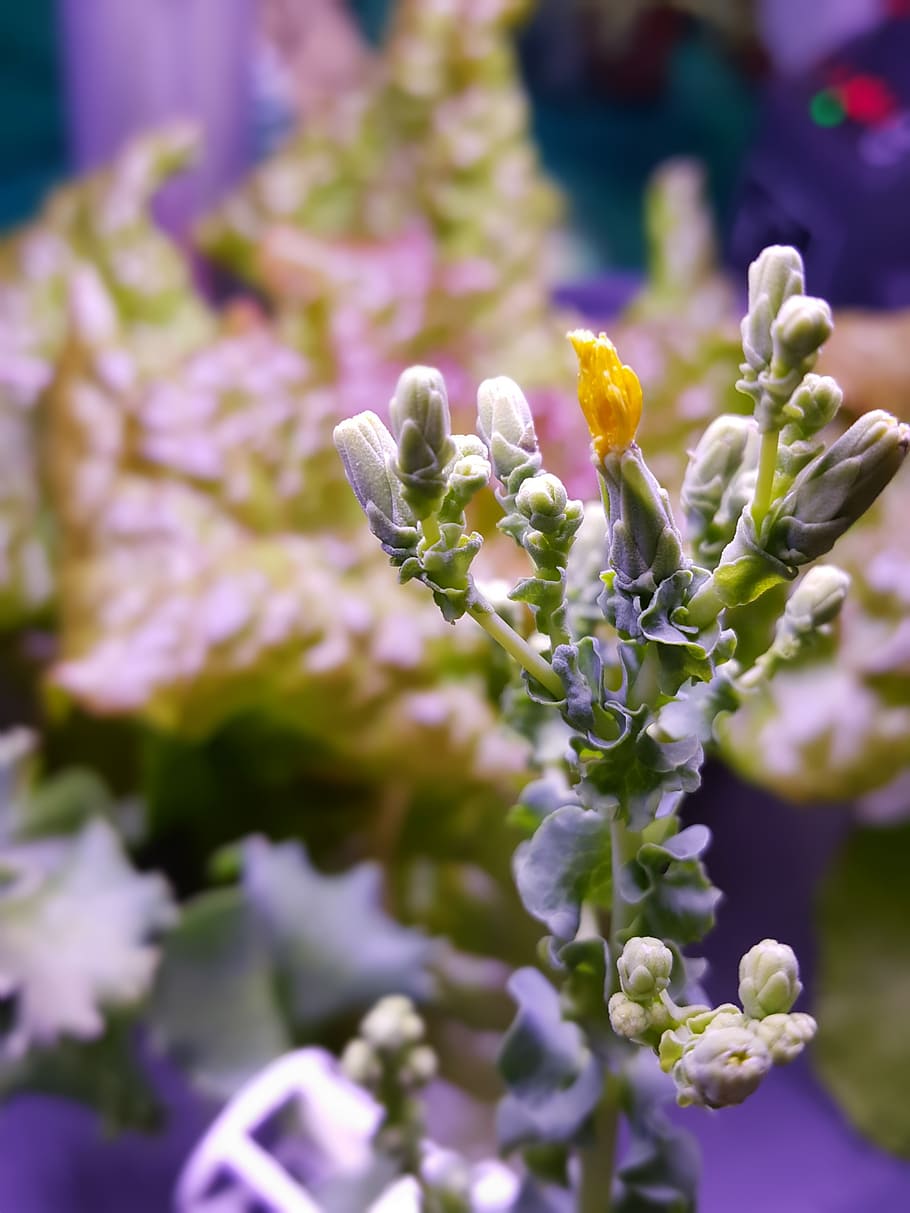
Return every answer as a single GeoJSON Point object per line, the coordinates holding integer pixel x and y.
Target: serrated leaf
{"type": "Point", "coordinates": [862, 992]}
{"type": "Point", "coordinates": [334, 946]}
{"type": "Point", "coordinates": [566, 863]}
{"type": "Point", "coordinates": [103, 1073]}
{"type": "Point", "coordinates": [554, 1081]}
{"type": "Point", "coordinates": [215, 1007]}
{"type": "Point", "coordinates": [76, 923]}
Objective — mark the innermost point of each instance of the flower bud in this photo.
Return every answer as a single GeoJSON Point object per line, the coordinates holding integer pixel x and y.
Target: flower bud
{"type": "Point", "coordinates": [360, 1064]}
{"type": "Point", "coordinates": [803, 324]}
{"type": "Point", "coordinates": [542, 500]}
{"type": "Point", "coordinates": [505, 424]}
{"type": "Point", "coordinates": [419, 1067]}
{"type": "Point", "coordinates": [817, 599]}
{"type": "Point", "coordinates": [768, 979]}
{"type": "Point", "coordinates": [718, 479]}
{"type": "Point", "coordinates": [644, 967]}
{"type": "Point", "coordinates": [722, 1067]}
{"type": "Point", "coordinates": [367, 448]}
{"type": "Point", "coordinates": [608, 391]}
{"type": "Point", "coordinates": [422, 427]}
{"type": "Point", "coordinates": [837, 488]}
{"type": "Point", "coordinates": [786, 1035]}
{"type": "Point", "coordinates": [637, 1021]}
{"type": "Point", "coordinates": [392, 1024]}
{"type": "Point", "coordinates": [814, 403]}
{"type": "Point", "coordinates": [627, 1018]}
{"type": "Point", "coordinates": [774, 276]}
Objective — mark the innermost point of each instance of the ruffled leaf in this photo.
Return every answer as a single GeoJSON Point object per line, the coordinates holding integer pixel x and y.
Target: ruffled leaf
{"type": "Point", "coordinates": [554, 1082]}
{"type": "Point", "coordinates": [566, 863]}
{"type": "Point", "coordinates": [76, 930]}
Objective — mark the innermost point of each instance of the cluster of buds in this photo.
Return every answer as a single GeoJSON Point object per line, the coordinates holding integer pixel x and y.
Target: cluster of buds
{"type": "Point", "coordinates": [391, 1059]}
{"type": "Point", "coordinates": [717, 1056]}
{"type": "Point", "coordinates": [391, 1043]}
{"type": "Point", "coordinates": [763, 495]}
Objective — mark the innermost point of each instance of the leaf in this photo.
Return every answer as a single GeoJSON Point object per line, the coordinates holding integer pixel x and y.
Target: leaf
{"type": "Point", "coordinates": [554, 1081]}
{"type": "Point", "coordinates": [334, 946]}
{"type": "Point", "coordinates": [102, 1073]}
{"type": "Point", "coordinates": [76, 923]}
{"type": "Point", "coordinates": [215, 1008]}
{"type": "Point", "coordinates": [670, 887]}
{"type": "Point", "coordinates": [566, 863]}
{"type": "Point", "coordinates": [660, 1170]}
{"type": "Point", "coordinates": [863, 985]}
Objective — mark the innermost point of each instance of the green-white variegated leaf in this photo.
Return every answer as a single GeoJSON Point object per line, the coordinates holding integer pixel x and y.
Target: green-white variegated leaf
{"type": "Point", "coordinates": [76, 929]}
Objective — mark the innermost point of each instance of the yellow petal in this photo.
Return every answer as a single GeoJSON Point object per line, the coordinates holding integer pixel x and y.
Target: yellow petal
{"type": "Point", "coordinates": [609, 392]}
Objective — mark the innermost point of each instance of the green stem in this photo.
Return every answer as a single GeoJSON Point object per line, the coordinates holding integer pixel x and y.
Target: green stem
{"type": "Point", "coordinates": [767, 466]}
{"type": "Point", "coordinates": [430, 528]}
{"type": "Point", "coordinates": [516, 646]}
{"type": "Point", "coordinates": [598, 1159]}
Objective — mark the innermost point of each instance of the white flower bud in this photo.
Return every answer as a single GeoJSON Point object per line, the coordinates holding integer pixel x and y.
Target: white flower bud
{"type": "Point", "coordinates": [637, 1021]}
{"type": "Point", "coordinates": [786, 1035]}
{"type": "Point", "coordinates": [644, 967]}
{"type": "Point", "coordinates": [421, 423]}
{"type": "Point", "coordinates": [802, 326]}
{"type": "Point", "coordinates": [419, 1067]}
{"type": "Point", "coordinates": [817, 599]}
{"type": "Point", "coordinates": [814, 403]}
{"type": "Point", "coordinates": [360, 1064]}
{"type": "Point", "coordinates": [768, 979]}
{"type": "Point", "coordinates": [367, 450]}
{"type": "Point", "coordinates": [505, 424]}
{"type": "Point", "coordinates": [722, 1067]}
{"type": "Point", "coordinates": [392, 1024]}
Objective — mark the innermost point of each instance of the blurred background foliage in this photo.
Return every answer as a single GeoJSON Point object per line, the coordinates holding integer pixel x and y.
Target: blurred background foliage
{"type": "Point", "coordinates": [228, 686]}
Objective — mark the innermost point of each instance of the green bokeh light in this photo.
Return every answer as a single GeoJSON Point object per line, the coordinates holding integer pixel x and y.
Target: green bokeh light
{"type": "Point", "coordinates": [827, 109]}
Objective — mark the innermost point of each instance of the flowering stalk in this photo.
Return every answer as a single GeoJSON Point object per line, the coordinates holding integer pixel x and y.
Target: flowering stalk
{"type": "Point", "coordinates": [619, 885]}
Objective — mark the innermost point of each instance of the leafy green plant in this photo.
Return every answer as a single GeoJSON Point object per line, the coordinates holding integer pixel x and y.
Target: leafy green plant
{"type": "Point", "coordinates": [631, 653]}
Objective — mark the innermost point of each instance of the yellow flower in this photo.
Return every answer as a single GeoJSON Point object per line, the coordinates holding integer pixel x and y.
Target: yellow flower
{"type": "Point", "coordinates": [609, 392]}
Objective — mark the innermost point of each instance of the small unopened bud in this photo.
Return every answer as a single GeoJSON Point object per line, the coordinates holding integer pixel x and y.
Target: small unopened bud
{"type": "Point", "coordinates": [721, 1068]}
{"type": "Point", "coordinates": [814, 403]}
{"type": "Point", "coordinates": [836, 489]}
{"type": "Point", "coordinates": [392, 1024]}
{"type": "Point", "coordinates": [505, 424]}
{"type": "Point", "coordinates": [360, 1063]}
{"type": "Point", "coordinates": [637, 1021]}
{"type": "Point", "coordinates": [367, 448]}
{"type": "Point", "coordinates": [768, 979]}
{"type": "Point", "coordinates": [422, 427]}
{"type": "Point", "coordinates": [644, 968]}
{"type": "Point", "coordinates": [802, 326]}
{"type": "Point", "coordinates": [817, 599]}
{"type": "Point", "coordinates": [419, 1067]}
{"type": "Point", "coordinates": [774, 276]}
{"type": "Point", "coordinates": [786, 1035]}
{"type": "Point", "coordinates": [542, 500]}
{"type": "Point", "coordinates": [725, 456]}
